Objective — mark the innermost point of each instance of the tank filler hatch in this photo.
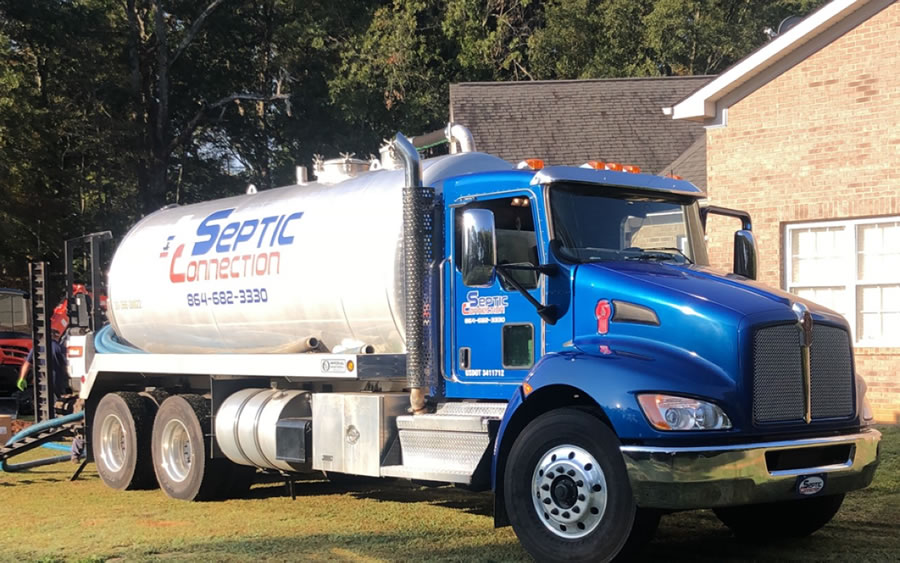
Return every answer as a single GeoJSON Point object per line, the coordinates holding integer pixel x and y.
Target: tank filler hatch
{"type": "Point", "coordinates": [336, 170]}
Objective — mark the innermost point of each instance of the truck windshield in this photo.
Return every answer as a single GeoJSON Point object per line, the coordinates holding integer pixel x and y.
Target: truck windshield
{"type": "Point", "coordinates": [592, 223]}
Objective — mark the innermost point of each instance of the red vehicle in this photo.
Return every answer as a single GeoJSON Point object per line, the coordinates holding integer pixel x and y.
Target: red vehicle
{"type": "Point", "coordinates": [15, 337]}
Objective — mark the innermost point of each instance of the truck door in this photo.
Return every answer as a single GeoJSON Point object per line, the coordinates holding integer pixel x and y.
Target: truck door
{"type": "Point", "coordinates": [496, 332]}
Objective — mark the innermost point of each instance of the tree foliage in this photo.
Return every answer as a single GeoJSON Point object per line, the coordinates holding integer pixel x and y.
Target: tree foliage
{"type": "Point", "coordinates": [111, 109]}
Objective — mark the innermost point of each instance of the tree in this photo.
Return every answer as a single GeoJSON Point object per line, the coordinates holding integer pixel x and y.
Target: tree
{"type": "Point", "coordinates": [158, 37]}
{"type": "Point", "coordinates": [606, 38]}
{"type": "Point", "coordinates": [57, 99]}
{"type": "Point", "coordinates": [492, 36]}
{"type": "Point", "coordinates": [591, 39]}
{"type": "Point", "coordinates": [700, 37]}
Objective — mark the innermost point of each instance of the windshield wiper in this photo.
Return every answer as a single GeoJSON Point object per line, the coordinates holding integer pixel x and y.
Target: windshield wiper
{"type": "Point", "coordinates": [663, 253]}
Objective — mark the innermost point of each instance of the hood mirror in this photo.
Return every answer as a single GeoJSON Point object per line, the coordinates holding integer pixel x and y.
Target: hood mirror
{"type": "Point", "coordinates": [745, 253]}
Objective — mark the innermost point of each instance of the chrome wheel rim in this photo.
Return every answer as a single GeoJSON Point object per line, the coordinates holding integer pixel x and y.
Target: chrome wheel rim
{"type": "Point", "coordinates": [177, 453]}
{"type": "Point", "coordinates": [569, 491]}
{"type": "Point", "coordinates": [113, 443]}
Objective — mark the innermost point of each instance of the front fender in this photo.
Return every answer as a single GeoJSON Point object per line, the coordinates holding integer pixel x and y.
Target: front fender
{"type": "Point", "coordinates": [609, 381]}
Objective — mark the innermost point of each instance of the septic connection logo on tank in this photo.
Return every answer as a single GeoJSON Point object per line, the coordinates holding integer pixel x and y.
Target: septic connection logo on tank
{"type": "Point", "coordinates": [240, 249]}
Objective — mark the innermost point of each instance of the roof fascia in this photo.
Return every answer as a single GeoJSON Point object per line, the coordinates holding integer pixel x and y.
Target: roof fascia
{"type": "Point", "coordinates": [703, 104]}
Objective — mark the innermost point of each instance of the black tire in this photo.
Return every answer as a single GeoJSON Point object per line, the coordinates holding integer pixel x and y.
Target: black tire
{"type": "Point", "coordinates": [120, 439]}
{"type": "Point", "coordinates": [180, 461]}
{"type": "Point", "coordinates": [577, 457]}
{"type": "Point", "coordinates": [780, 520]}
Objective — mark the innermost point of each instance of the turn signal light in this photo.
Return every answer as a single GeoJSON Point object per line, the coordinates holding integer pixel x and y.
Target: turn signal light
{"type": "Point", "coordinates": [531, 163]}
{"type": "Point", "coordinates": [76, 351]}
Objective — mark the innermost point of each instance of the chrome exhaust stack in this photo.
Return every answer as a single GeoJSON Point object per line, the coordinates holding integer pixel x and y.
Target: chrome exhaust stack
{"type": "Point", "coordinates": [417, 224]}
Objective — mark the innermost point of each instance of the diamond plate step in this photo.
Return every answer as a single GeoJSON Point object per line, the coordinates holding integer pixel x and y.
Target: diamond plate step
{"type": "Point", "coordinates": [443, 423]}
{"type": "Point", "coordinates": [468, 408]}
{"type": "Point", "coordinates": [447, 451]}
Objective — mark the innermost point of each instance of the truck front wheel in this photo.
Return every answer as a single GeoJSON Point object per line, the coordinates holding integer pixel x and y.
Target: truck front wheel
{"type": "Point", "coordinates": [180, 460]}
{"type": "Point", "coordinates": [780, 520]}
{"type": "Point", "coordinates": [566, 489]}
{"type": "Point", "coordinates": [120, 438]}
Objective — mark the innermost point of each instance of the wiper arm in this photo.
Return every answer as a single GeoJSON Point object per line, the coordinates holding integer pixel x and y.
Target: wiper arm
{"type": "Point", "coordinates": [668, 249]}
{"type": "Point", "coordinates": [547, 312]}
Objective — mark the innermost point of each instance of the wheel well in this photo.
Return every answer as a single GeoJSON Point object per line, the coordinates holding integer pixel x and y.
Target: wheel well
{"type": "Point", "coordinates": [539, 402]}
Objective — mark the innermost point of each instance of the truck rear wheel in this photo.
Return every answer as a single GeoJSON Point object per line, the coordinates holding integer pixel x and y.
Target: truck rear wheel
{"type": "Point", "coordinates": [120, 438]}
{"type": "Point", "coordinates": [566, 489]}
{"type": "Point", "coordinates": [780, 520]}
{"type": "Point", "coordinates": [180, 460]}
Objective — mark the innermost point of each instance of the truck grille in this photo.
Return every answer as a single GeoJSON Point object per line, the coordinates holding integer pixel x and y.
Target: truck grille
{"type": "Point", "coordinates": [19, 352]}
{"type": "Point", "coordinates": [778, 378]}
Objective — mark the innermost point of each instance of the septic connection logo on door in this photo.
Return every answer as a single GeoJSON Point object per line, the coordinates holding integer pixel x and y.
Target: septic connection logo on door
{"type": "Point", "coordinates": [241, 249]}
{"type": "Point", "coordinates": [487, 305]}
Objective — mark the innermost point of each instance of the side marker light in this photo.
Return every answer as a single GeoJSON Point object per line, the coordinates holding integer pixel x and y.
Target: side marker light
{"type": "Point", "coordinates": [603, 312]}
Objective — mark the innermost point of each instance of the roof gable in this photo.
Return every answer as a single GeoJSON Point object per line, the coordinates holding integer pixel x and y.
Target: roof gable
{"type": "Point", "coordinates": [775, 57]}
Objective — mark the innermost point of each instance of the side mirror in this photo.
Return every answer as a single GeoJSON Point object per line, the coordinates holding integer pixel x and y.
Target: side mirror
{"type": "Point", "coordinates": [479, 247]}
{"type": "Point", "coordinates": [745, 255]}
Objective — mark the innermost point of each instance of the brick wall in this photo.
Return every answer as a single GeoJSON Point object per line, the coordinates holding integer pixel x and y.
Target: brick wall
{"type": "Point", "coordinates": [819, 142]}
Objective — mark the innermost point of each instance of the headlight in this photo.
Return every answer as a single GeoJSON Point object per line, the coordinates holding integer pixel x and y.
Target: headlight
{"type": "Point", "coordinates": [867, 416]}
{"type": "Point", "coordinates": [670, 412]}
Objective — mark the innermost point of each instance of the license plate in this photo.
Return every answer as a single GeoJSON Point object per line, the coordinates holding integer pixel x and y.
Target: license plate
{"type": "Point", "coordinates": [810, 485]}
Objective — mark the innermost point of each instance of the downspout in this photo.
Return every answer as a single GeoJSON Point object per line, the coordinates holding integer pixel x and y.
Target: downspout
{"type": "Point", "coordinates": [417, 202]}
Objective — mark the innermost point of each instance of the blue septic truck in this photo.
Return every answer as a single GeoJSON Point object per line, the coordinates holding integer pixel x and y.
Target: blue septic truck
{"type": "Point", "coordinates": [554, 334]}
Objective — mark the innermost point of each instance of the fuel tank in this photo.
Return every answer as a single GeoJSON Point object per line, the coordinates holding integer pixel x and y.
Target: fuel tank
{"type": "Point", "coordinates": [276, 271]}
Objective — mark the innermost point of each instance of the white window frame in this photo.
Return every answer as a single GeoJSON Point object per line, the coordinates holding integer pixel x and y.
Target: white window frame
{"type": "Point", "coordinates": [851, 276]}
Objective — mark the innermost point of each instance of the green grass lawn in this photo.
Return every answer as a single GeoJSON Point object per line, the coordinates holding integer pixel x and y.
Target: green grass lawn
{"type": "Point", "coordinates": [46, 517]}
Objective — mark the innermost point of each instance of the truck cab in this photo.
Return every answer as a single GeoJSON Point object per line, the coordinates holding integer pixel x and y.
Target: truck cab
{"type": "Point", "coordinates": [589, 293]}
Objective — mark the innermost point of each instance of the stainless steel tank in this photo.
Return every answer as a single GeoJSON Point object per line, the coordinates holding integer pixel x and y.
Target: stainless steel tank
{"type": "Point", "coordinates": [265, 272]}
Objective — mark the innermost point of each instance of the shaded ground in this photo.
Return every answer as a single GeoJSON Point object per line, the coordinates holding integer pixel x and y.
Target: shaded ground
{"type": "Point", "coordinates": [48, 518]}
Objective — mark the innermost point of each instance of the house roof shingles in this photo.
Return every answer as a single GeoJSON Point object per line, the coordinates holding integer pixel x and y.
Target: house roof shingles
{"type": "Point", "coordinates": [573, 121]}
{"type": "Point", "coordinates": [691, 165]}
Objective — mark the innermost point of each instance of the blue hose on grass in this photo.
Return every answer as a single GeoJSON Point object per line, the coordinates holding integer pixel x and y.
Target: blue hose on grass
{"type": "Point", "coordinates": [34, 430]}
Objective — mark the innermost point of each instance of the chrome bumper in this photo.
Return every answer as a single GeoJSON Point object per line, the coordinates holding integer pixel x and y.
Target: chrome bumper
{"type": "Point", "coordinates": [705, 477]}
